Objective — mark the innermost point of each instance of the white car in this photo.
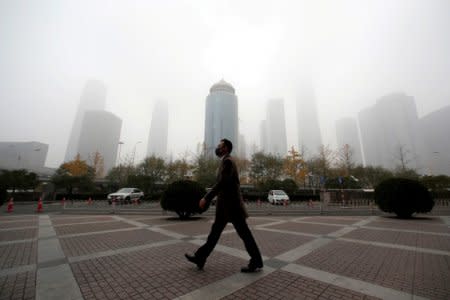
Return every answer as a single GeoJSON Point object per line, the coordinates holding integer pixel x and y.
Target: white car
{"type": "Point", "coordinates": [278, 197]}
{"type": "Point", "coordinates": [126, 195]}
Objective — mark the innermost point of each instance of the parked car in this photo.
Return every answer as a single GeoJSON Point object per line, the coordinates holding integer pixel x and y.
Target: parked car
{"type": "Point", "coordinates": [126, 195]}
{"type": "Point", "coordinates": [278, 197]}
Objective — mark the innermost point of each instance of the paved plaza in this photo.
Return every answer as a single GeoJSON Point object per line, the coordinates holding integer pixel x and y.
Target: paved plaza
{"type": "Point", "coordinates": [68, 256]}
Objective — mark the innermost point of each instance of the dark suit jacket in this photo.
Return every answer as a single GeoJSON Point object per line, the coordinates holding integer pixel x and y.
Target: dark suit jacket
{"type": "Point", "coordinates": [229, 205]}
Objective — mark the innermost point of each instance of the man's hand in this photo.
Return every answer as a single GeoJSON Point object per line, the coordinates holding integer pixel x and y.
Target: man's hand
{"type": "Point", "coordinates": [202, 203]}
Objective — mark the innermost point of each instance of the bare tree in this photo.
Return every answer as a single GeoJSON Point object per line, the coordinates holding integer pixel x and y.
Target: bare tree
{"type": "Point", "coordinates": [96, 161]}
{"type": "Point", "coordinates": [403, 158]}
{"type": "Point", "coordinates": [325, 160]}
{"type": "Point", "coordinates": [345, 160]}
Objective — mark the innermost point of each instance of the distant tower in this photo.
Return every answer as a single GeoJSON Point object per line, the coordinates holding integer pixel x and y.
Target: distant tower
{"type": "Point", "coordinates": [263, 139]}
{"type": "Point", "coordinates": [309, 136]}
{"type": "Point", "coordinates": [347, 134]}
{"type": "Point", "coordinates": [92, 98]}
{"type": "Point", "coordinates": [221, 116]}
{"type": "Point", "coordinates": [100, 131]}
{"type": "Point", "coordinates": [436, 150]}
{"type": "Point", "coordinates": [388, 127]}
{"type": "Point", "coordinates": [242, 150]}
{"type": "Point", "coordinates": [159, 128]}
{"type": "Point", "coordinates": [276, 128]}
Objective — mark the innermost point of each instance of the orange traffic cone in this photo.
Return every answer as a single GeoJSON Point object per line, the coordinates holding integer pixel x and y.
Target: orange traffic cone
{"type": "Point", "coordinates": [89, 201]}
{"type": "Point", "coordinates": [40, 207]}
{"type": "Point", "coordinates": [10, 208]}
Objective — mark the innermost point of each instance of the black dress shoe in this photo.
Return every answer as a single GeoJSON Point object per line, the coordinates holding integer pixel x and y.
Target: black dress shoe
{"type": "Point", "coordinates": [251, 269]}
{"type": "Point", "coordinates": [194, 259]}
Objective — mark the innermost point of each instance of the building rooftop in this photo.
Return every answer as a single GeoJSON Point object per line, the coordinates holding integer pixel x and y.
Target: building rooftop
{"type": "Point", "coordinates": [222, 86]}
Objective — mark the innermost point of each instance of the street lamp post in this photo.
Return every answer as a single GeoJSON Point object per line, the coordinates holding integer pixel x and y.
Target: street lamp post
{"type": "Point", "coordinates": [120, 147]}
{"type": "Point", "coordinates": [134, 150]}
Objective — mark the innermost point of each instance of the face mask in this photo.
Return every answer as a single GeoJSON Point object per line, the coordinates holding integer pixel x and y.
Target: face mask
{"type": "Point", "coordinates": [218, 152]}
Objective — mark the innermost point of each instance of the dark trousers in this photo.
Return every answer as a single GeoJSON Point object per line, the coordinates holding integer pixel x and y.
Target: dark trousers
{"type": "Point", "coordinates": [244, 233]}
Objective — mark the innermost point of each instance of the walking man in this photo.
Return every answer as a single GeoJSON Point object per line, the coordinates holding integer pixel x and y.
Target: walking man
{"type": "Point", "coordinates": [229, 208]}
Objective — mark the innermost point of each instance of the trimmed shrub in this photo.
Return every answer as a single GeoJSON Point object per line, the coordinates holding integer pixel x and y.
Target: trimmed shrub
{"type": "Point", "coordinates": [404, 197]}
{"type": "Point", "coordinates": [182, 197]}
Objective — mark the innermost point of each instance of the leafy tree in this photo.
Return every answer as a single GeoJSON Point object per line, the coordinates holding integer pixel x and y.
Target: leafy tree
{"type": "Point", "coordinates": [289, 186]}
{"type": "Point", "coordinates": [75, 174]}
{"type": "Point", "coordinates": [118, 176]}
{"type": "Point", "coordinates": [264, 167]}
{"type": "Point", "coordinates": [97, 163]}
{"type": "Point", "coordinates": [205, 169]}
{"type": "Point", "coordinates": [406, 173]}
{"type": "Point", "coordinates": [154, 167]}
{"type": "Point", "coordinates": [3, 193]}
{"type": "Point", "coordinates": [270, 184]}
{"type": "Point", "coordinates": [371, 176]}
{"type": "Point", "coordinates": [243, 166]}
{"type": "Point", "coordinates": [18, 180]}
{"type": "Point", "coordinates": [177, 170]}
{"type": "Point", "coordinates": [341, 182]}
{"type": "Point", "coordinates": [151, 171]}
{"type": "Point", "coordinates": [295, 166]}
{"type": "Point", "coordinates": [436, 183]}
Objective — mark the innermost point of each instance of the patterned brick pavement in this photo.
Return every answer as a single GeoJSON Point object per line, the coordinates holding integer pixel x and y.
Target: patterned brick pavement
{"type": "Point", "coordinates": [92, 227]}
{"type": "Point", "coordinates": [279, 242]}
{"type": "Point", "coordinates": [82, 245]}
{"type": "Point", "coordinates": [18, 254]}
{"type": "Point", "coordinates": [18, 286]}
{"type": "Point", "coordinates": [285, 285]}
{"type": "Point", "coordinates": [141, 257]}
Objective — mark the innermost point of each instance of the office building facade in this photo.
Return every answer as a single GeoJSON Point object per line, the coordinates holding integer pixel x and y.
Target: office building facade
{"type": "Point", "coordinates": [100, 132]}
{"type": "Point", "coordinates": [23, 155]}
{"type": "Point", "coordinates": [159, 129]}
{"type": "Point", "coordinates": [93, 97]}
{"type": "Point", "coordinates": [276, 128]}
{"type": "Point", "coordinates": [436, 146]}
{"type": "Point", "coordinates": [221, 117]}
{"type": "Point", "coordinates": [309, 135]}
{"type": "Point", "coordinates": [347, 133]}
{"type": "Point", "coordinates": [390, 130]}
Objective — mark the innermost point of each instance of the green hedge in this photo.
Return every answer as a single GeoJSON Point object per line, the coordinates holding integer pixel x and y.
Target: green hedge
{"type": "Point", "coordinates": [404, 197]}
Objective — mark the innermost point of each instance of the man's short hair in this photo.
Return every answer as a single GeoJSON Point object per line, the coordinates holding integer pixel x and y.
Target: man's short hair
{"type": "Point", "coordinates": [228, 144]}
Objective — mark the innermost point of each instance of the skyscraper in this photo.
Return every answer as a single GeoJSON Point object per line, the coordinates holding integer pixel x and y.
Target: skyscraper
{"type": "Point", "coordinates": [309, 136]}
{"type": "Point", "coordinates": [276, 128]}
{"type": "Point", "coordinates": [221, 116]}
{"type": "Point", "coordinates": [242, 150]}
{"type": "Point", "coordinates": [436, 150]}
{"type": "Point", "coordinates": [157, 138]}
{"type": "Point", "coordinates": [347, 134]}
{"type": "Point", "coordinates": [93, 97]}
{"type": "Point", "coordinates": [390, 132]}
{"type": "Point", "coordinates": [100, 132]}
{"type": "Point", "coordinates": [263, 140]}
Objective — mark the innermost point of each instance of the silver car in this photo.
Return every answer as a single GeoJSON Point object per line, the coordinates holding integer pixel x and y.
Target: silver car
{"type": "Point", "coordinates": [126, 195]}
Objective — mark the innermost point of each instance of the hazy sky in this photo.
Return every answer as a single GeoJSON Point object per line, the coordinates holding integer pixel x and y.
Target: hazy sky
{"type": "Point", "coordinates": [352, 51]}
